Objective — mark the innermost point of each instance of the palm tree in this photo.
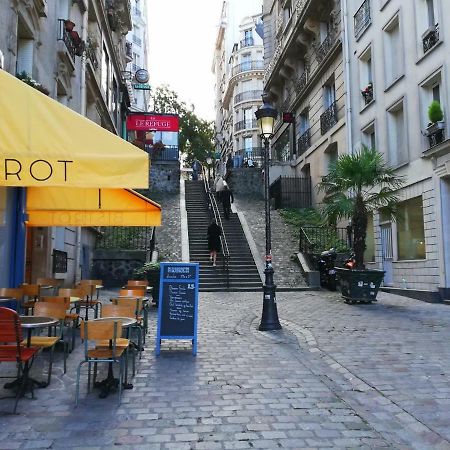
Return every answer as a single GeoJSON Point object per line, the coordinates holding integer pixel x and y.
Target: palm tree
{"type": "Point", "coordinates": [356, 185]}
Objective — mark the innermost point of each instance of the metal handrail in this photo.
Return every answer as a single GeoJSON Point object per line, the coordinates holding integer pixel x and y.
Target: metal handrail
{"type": "Point", "coordinates": [215, 210]}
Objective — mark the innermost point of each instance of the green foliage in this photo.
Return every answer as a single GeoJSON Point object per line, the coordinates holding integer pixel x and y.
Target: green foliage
{"type": "Point", "coordinates": [303, 217]}
{"type": "Point", "coordinates": [27, 79]}
{"type": "Point", "coordinates": [141, 272]}
{"type": "Point", "coordinates": [356, 185]}
{"type": "Point", "coordinates": [196, 138]}
{"type": "Point", "coordinates": [435, 113]}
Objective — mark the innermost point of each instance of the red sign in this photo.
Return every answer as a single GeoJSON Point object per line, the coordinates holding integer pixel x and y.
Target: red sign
{"type": "Point", "coordinates": [153, 122]}
{"type": "Point", "coordinates": [288, 117]}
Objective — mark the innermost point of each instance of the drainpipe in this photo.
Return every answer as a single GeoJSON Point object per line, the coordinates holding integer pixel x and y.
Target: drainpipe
{"type": "Point", "coordinates": [346, 53]}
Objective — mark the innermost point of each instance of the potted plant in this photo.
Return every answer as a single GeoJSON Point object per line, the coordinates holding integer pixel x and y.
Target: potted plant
{"type": "Point", "coordinates": [367, 93]}
{"type": "Point", "coordinates": [150, 271]}
{"type": "Point", "coordinates": [26, 78]}
{"type": "Point", "coordinates": [357, 185]}
{"type": "Point", "coordinates": [435, 115]}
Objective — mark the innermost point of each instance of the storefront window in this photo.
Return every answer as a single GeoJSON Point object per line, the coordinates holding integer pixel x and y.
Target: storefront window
{"type": "Point", "coordinates": [369, 254]}
{"type": "Point", "coordinates": [410, 230]}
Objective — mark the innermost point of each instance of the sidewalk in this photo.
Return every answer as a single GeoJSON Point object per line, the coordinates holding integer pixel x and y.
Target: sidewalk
{"type": "Point", "coordinates": [337, 376]}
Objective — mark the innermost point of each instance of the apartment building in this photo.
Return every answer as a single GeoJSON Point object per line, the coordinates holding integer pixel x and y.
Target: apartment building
{"type": "Point", "coordinates": [75, 51]}
{"type": "Point", "coordinates": [137, 55]}
{"type": "Point", "coordinates": [304, 77]}
{"type": "Point", "coordinates": [398, 65]}
{"type": "Point", "coordinates": [238, 68]}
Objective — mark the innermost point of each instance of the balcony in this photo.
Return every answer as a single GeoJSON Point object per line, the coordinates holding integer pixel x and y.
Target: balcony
{"type": "Point", "coordinates": [64, 36]}
{"type": "Point", "coordinates": [168, 153]}
{"type": "Point", "coordinates": [247, 42]}
{"type": "Point", "coordinates": [301, 81]}
{"type": "Point", "coordinates": [137, 40]}
{"type": "Point", "coordinates": [256, 154]}
{"type": "Point", "coordinates": [436, 134]}
{"type": "Point", "coordinates": [304, 142]}
{"type": "Point", "coordinates": [247, 96]}
{"type": "Point", "coordinates": [91, 53]}
{"type": "Point", "coordinates": [362, 19]}
{"type": "Point", "coordinates": [137, 12]}
{"type": "Point", "coordinates": [329, 118]}
{"type": "Point", "coordinates": [128, 51]}
{"type": "Point", "coordinates": [247, 66]}
{"type": "Point", "coordinates": [324, 49]}
{"type": "Point", "coordinates": [245, 125]}
{"type": "Point", "coordinates": [118, 13]}
{"type": "Point", "coordinates": [430, 38]}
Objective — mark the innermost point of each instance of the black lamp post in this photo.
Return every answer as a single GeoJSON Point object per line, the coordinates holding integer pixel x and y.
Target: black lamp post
{"type": "Point", "coordinates": [266, 116]}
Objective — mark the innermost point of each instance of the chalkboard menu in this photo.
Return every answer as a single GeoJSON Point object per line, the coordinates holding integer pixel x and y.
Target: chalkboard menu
{"type": "Point", "coordinates": [178, 303]}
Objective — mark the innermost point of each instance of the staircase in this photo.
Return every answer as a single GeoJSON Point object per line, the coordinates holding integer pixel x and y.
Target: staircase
{"type": "Point", "coordinates": [243, 274]}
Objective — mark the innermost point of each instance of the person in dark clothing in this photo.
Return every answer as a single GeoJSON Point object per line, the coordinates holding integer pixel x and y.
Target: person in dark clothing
{"type": "Point", "coordinates": [214, 233]}
{"type": "Point", "coordinates": [227, 200]}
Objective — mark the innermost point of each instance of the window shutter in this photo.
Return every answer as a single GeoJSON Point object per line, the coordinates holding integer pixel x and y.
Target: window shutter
{"type": "Point", "coordinates": [25, 56]}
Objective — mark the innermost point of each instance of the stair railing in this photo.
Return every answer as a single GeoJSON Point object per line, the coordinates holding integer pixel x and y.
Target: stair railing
{"type": "Point", "coordinates": [213, 207]}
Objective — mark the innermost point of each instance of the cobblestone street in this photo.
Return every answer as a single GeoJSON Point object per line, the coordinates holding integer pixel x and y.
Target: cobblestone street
{"type": "Point", "coordinates": [336, 376]}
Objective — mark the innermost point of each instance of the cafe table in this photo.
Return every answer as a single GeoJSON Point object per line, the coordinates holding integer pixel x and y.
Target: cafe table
{"type": "Point", "coordinates": [110, 383]}
{"type": "Point", "coordinates": [30, 323]}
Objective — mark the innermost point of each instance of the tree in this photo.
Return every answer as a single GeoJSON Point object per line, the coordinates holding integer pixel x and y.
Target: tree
{"type": "Point", "coordinates": [356, 185]}
{"type": "Point", "coordinates": [196, 139]}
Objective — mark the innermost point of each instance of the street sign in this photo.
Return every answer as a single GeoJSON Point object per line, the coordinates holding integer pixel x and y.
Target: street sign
{"type": "Point", "coordinates": [142, 86]}
{"type": "Point", "coordinates": [178, 303]}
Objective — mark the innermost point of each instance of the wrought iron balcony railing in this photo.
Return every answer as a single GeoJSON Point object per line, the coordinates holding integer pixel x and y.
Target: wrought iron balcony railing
{"type": "Point", "coordinates": [245, 125]}
{"type": "Point", "coordinates": [247, 42]}
{"type": "Point", "coordinates": [325, 47]}
{"type": "Point", "coordinates": [91, 53]}
{"type": "Point", "coordinates": [301, 81]}
{"type": "Point", "coordinates": [430, 38]}
{"type": "Point", "coordinates": [248, 95]}
{"type": "Point", "coordinates": [137, 40]}
{"type": "Point", "coordinates": [362, 19]}
{"type": "Point", "coordinates": [435, 134]}
{"type": "Point", "coordinates": [253, 154]}
{"type": "Point", "coordinates": [168, 153]}
{"type": "Point", "coordinates": [304, 142]}
{"type": "Point", "coordinates": [329, 118]}
{"type": "Point", "coordinates": [246, 66]}
{"type": "Point", "coordinates": [63, 35]}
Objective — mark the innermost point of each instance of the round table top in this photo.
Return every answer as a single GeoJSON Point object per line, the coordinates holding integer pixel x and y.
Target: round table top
{"type": "Point", "coordinates": [126, 321]}
{"type": "Point", "coordinates": [37, 321]}
{"type": "Point", "coordinates": [75, 299]}
{"type": "Point", "coordinates": [6, 298]}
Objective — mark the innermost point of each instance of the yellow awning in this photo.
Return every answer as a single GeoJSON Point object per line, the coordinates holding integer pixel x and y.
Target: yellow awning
{"type": "Point", "coordinates": [44, 143]}
{"type": "Point", "coordinates": [58, 206]}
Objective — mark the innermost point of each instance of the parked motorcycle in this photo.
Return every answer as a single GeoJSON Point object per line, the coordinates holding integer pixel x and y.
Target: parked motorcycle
{"type": "Point", "coordinates": [326, 269]}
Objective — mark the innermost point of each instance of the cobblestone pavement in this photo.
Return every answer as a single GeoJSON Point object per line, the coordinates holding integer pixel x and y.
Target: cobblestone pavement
{"type": "Point", "coordinates": [284, 243]}
{"type": "Point", "coordinates": [168, 235]}
{"type": "Point", "coordinates": [336, 376]}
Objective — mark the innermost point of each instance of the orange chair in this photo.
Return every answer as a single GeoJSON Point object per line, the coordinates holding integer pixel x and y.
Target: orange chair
{"type": "Point", "coordinates": [12, 350]}
{"type": "Point", "coordinates": [70, 317]}
{"type": "Point", "coordinates": [132, 292]}
{"type": "Point", "coordinates": [90, 290]}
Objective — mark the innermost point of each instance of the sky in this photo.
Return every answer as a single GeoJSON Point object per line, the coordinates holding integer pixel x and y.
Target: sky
{"type": "Point", "coordinates": [182, 34]}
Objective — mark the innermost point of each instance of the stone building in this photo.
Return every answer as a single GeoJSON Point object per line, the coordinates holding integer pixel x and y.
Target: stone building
{"type": "Point", "coordinates": [398, 65]}
{"type": "Point", "coordinates": [238, 68]}
{"type": "Point", "coordinates": [75, 51]}
{"type": "Point", "coordinates": [304, 77]}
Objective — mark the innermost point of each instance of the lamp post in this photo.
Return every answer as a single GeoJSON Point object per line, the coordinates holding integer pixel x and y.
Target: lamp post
{"type": "Point", "coordinates": [209, 162]}
{"type": "Point", "coordinates": [266, 116]}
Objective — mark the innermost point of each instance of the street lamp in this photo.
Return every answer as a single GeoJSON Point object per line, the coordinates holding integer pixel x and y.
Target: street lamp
{"type": "Point", "coordinates": [266, 116]}
{"type": "Point", "coordinates": [209, 162]}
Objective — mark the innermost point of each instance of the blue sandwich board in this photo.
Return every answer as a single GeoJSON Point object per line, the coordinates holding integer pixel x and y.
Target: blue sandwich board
{"type": "Point", "coordinates": [178, 303]}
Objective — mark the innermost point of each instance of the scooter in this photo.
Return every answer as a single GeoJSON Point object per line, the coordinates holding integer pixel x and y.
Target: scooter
{"type": "Point", "coordinates": [326, 269]}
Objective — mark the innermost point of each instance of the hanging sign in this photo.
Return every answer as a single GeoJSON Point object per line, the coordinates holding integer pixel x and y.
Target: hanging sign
{"type": "Point", "coordinates": [178, 303]}
{"type": "Point", "coordinates": [155, 122]}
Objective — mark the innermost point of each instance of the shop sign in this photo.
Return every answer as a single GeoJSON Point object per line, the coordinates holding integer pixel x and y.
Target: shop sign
{"type": "Point", "coordinates": [153, 122]}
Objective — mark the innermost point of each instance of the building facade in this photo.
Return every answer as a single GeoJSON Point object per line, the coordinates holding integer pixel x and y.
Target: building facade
{"type": "Point", "coordinates": [398, 66]}
{"type": "Point", "coordinates": [137, 54]}
{"type": "Point", "coordinates": [238, 68]}
{"type": "Point", "coordinates": [304, 77]}
{"type": "Point", "coordinates": [73, 51]}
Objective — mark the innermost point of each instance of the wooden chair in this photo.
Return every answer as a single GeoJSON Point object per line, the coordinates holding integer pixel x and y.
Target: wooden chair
{"type": "Point", "coordinates": [136, 292]}
{"type": "Point", "coordinates": [96, 331]}
{"type": "Point", "coordinates": [137, 283]}
{"type": "Point", "coordinates": [32, 293]}
{"type": "Point", "coordinates": [135, 308]}
{"type": "Point", "coordinates": [51, 282]}
{"type": "Point", "coordinates": [56, 312]}
{"type": "Point", "coordinates": [71, 318]}
{"type": "Point", "coordinates": [90, 290]}
{"type": "Point", "coordinates": [12, 350]}
{"type": "Point", "coordinates": [16, 293]}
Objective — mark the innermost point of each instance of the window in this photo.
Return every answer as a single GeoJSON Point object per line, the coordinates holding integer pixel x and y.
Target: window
{"type": "Point", "coordinates": [369, 254]}
{"type": "Point", "coordinates": [398, 150]}
{"type": "Point", "coordinates": [362, 19]}
{"type": "Point", "coordinates": [329, 95]}
{"type": "Point", "coordinates": [248, 143]}
{"type": "Point", "coordinates": [25, 56]}
{"type": "Point", "coordinates": [393, 52]}
{"type": "Point", "coordinates": [368, 136]}
{"type": "Point", "coordinates": [430, 13]}
{"type": "Point", "coordinates": [410, 230]}
{"type": "Point", "coordinates": [105, 74]}
{"type": "Point", "coordinates": [366, 76]}
{"type": "Point", "coordinates": [246, 61]}
{"type": "Point", "coordinates": [431, 90]}
{"type": "Point", "coordinates": [304, 122]}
